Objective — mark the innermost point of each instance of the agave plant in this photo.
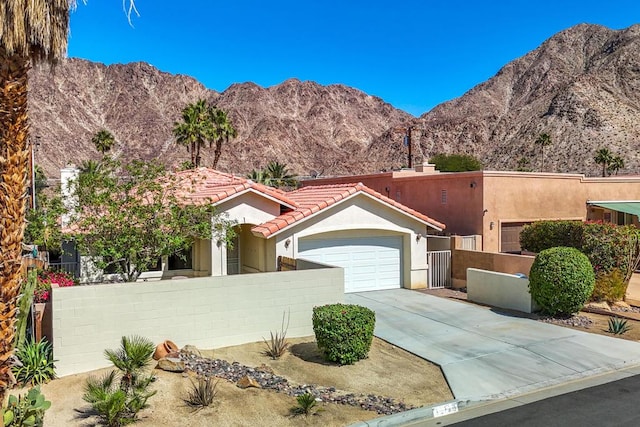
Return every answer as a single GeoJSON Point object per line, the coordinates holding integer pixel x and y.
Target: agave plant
{"type": "Point", "coordinates": [618, 326]}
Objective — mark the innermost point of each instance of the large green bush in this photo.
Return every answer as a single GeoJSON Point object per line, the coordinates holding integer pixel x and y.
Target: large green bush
{"type": "Point", "coordinates": [561, 280]}
{"type": "Point", "coordinates": [343, 331]}
{"type": "Point", "coordinates": [543, 235]}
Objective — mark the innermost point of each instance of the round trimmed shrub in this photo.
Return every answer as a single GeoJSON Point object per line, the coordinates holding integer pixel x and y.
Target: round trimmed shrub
{"type": "Point", "coordinates": [343, 332]}
{"type": "Point", "coordinates": [561, 280]}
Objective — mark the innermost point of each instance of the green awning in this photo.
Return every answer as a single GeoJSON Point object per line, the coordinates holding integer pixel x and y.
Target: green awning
{"type": "Point", "coordinates": [632, 208]}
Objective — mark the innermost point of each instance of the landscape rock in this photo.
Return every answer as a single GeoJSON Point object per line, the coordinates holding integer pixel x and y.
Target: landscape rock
{"type": "Point", "coordinates": [171, 364]}
{"type": "Point", "coordinates": [247, 381]}
{"type": "Point", "coordinates": [603, 305]}
{"type": "Point", "coordinates": [191, 349]}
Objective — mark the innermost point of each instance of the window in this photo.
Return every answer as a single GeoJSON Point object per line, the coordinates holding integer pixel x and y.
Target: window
{"type": "Point", "coordinates": [443, 197]}
{"type": "Point", "coordinates": [183, 260]}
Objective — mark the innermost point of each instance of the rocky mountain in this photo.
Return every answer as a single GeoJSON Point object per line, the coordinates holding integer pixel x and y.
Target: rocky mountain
{"type": "Point", "coordinates": [303, 124]}
{"type": "Point", "coordinates": [582, 87]}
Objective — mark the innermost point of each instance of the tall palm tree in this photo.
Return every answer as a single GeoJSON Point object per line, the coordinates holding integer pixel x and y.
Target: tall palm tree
{"type": "Point", "coordinates": [195, 129]}
{"type": "Point", "coordinates": [543, 140]}
{"type": "Point", "coordinates": [103, 140]}
{"type": "Point", "coordinates": [616, 164]}
{"type": "Point", "coordinates": [279, 175]}
{"type": "Point", "coordinates": [32, 32]}
{"type": "Point", "coordinates": [603, 157]}
{"type": "Point", "coordinates": [223, 131]}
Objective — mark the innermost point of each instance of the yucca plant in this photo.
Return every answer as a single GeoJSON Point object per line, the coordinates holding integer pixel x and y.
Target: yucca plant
{"type": "Point", "coordinates": [618, 326]}
{"type": "Point", "coordinates": [307, 405]}
{"type": "Point", "coordinates": [278, 344]}
{"type": "Point", "coordinates": [36, 363]}
{"type": "Point", "coordinates": [202, 392]}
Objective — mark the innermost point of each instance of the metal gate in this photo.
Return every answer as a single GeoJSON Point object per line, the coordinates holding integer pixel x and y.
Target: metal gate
{"type": "Point", "coordinates": [439, 263]}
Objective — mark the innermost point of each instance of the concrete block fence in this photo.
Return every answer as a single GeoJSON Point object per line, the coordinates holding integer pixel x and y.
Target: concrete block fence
{"type": "Point", "coordinates": [208, 312]}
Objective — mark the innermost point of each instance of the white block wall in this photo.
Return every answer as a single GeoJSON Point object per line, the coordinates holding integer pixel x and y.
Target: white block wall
{"type": "Point", "coordinates": [208, 312]}
{"type": "Point", "coordinates": [499, 290]}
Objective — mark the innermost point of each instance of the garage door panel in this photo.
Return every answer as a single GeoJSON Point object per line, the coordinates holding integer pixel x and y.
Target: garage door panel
{"type": "Point", "coordinates": [370, 263]}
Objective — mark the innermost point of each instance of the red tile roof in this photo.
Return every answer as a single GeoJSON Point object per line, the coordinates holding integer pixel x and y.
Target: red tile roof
{"type": "Point", "coordinates": [208, 185]}
{"type": "Point", "coordinates": [204, 185]}
{"type": "Point", "coordinates": [310, 200]}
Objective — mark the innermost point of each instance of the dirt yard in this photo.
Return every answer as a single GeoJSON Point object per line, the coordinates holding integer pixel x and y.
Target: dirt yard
{"type": "Point", "coordinates": [389, 372]}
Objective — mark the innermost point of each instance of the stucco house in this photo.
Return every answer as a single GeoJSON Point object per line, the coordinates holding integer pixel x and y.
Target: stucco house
{"type": "Point", "coordinates": [379, 242]}
{"type": "Point", "coordinates": [495, 205]}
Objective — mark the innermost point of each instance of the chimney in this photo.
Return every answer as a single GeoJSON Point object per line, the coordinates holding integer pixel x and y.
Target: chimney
{"type": "Point", "coordinates": [426, 168]}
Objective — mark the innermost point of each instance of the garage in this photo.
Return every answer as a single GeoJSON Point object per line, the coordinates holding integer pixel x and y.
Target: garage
{"type": "Point", "coordinates": [370, 263]}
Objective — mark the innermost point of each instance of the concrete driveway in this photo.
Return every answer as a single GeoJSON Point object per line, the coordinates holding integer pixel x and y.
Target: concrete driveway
{"type": "Point", "coordinates": [488, 355]}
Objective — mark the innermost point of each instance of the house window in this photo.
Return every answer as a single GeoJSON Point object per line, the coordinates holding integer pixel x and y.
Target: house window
{"type": "Point", "coordinates": [183, 260]}
{"type": "Point", "coordinates": [443, 197]}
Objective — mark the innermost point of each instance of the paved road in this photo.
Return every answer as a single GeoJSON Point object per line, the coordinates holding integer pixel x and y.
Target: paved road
{"type": "Point", "coordinates": [488, 355]}
{"type": "Point", "coordinates": [612, 404]}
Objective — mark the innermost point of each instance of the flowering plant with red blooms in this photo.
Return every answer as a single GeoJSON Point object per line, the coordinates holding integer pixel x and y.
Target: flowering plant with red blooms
{"type": "Point", "coordinates": [46, 278]}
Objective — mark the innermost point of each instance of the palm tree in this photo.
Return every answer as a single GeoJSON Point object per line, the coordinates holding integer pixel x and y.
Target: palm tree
{"type": "Point", "coordinates": [32, 32]}
{"type": "Point", "coordinates": [543, 140]}
{"type": "Point", "coordinates": [616, 164]}
{"type": "Point", "coordinates": [103, 140]}
{"type": "Point", "coordinates": [279, 175]}
{"type": "Point", "coordinates": [603, 157]}
{"type": "Point", "coordinates": [195, 129]}
{"type": "Point", "coordinates": [258, 176]}
{"type": "Point", "coordinates": [134, 354]}
{"type": "Point", "coordinates": [223, 131]}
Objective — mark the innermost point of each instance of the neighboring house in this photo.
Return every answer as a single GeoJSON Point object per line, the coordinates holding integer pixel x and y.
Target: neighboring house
{"type": "Point", "coordinates": [496, 205]}
{"type": "Point", "coordinates": [379, 242]}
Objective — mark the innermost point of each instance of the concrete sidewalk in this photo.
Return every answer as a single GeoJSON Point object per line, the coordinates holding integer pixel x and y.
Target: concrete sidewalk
{"type": "Point", "coordinates": [487, 355]}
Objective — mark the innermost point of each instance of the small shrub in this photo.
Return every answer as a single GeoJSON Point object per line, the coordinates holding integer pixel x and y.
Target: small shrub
{"type": "Point", "coordinates": [307, 405]}
{"type": "Point", "coordinates": [609, 287]}
{"type": "Point", "coordinates": [27, 410]}
{"type": "Point", "coordinates": [118, 402]}
{"type": "Point", "coordinates": [37, 363]}
{"type": "Point", "coordinates": [278, 344]}
{"type": "Point", "coordinates": [618, 326]}
{"type": "Point", "coordinates": [343, 332]}
{"type": "Point", "coordinates": [202, 393]}
{"type": "Point", "coordinates": [561, 280]}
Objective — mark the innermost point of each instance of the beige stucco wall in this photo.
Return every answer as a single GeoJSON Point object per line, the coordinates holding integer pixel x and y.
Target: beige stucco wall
{"type": "Point", "coordinates": [462, 260]}
{"type": "Point", "coordinates": [362, 216]}
{"type": "Point", "coordinates": [499, 290]}
{"type": "Point", "coordinates": [207, 312]}
{"type": "Point", "coordinates": [475, 200]}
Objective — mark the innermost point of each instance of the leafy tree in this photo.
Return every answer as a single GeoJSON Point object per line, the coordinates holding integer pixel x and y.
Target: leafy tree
{"type": "Point", "coordinates": [544, 140]}
{"type": "Point", "coordinates": [455, 163]}
{"type": "Point", "coordinates": [43, 228]}
{"type": "Point", "coordinates": [127, 216]}
{"type": "Point", "coordinates": [616, 164]}
{"type": "Point", "coordinates": [103, 140]}
{"type": "Point", "coordinates": [32, 33]}
{"type": "Point", "coordinates": [603, 157]}
{"type": "Point", "coordinates": [223, 131]}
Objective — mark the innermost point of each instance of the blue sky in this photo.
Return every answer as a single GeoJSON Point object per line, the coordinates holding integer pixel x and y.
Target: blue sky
{"type": "Point", "coordinates": [413, 54]}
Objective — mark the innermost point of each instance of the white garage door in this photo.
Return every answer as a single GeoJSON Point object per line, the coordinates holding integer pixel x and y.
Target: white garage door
{"type": "Point", "coordinates": [370, 263]}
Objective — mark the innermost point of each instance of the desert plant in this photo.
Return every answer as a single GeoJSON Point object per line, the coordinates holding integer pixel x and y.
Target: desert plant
{"type": "Point", "coordinates": [24, 307]}
{"type": "Point", "coordinates": [561, 280]}
{"type": "Point", "coordinates": [37, 364]}
{"type": "Point", "coordinates": [278, 344]}
{"type": "Point", "coordinates": [27, 410]}
{"type": "Point", "coordinates": [118, 402]}
{"type": "Point", "coordinates": [344, 332]}
{"type": "Point", "coordinates": [135, 353]}
{"type": "Point", "coordinates": [618, 326]}
{"type": "Point", "coordinates": [202, 393]}
{"type": "Point", "coordinates": [610, 286]}
{"type": "Point", "coordinates": [307, 405]}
